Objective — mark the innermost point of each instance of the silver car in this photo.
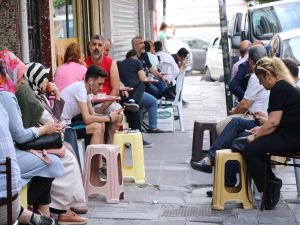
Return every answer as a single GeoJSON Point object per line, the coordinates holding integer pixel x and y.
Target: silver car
{"type": "Point", "coordinates": [198, 50]}
{"type": "Point", "coordinates": [286, 45]}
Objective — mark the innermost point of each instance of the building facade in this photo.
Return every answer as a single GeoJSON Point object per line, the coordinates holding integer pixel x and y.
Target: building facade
{"type": "Point", "coordinates": [54, 24]}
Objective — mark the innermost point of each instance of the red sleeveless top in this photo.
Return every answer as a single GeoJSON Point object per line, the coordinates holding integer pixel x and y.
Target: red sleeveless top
{"type": "Point", "coordinates": [105, 65]}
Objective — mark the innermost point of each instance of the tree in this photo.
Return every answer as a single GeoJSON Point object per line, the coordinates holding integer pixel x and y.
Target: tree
{"type": "Point", "coordinates": [59, 3]}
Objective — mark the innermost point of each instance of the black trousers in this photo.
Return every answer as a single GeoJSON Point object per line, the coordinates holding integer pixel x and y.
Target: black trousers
{"type": "Point", "coordinates": [255, 153]}
{"type": "Point", "coordinates": [39, 191]}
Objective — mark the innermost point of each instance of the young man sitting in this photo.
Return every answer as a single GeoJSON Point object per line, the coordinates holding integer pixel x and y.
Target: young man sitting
{"type": "Point", "coordinates": [77, 102]}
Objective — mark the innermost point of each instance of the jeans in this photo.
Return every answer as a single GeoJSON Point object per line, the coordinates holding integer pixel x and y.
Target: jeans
{"type": "Point", "coordinates": [149, 102]}
{"type": "Point", "coordinates": [156, 89]}
{"type": "Point", "coordinates": [235, 128]}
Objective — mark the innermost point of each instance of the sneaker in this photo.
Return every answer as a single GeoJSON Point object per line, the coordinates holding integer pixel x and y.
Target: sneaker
{"type": "Point", "coordinates": [41, 220]}
{"type": "Point", "coordinates": [147, 144]}
{"type": "Point", "coordinates": [71, 218]}
{"type": "Point", "coordinates": [130, 105]}
{"type": "Point", "coordinates": [103, 174]}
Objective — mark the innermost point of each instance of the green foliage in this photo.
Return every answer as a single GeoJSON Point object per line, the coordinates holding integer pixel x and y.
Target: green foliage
{"type": "Point", "coordinates": [59, 3]}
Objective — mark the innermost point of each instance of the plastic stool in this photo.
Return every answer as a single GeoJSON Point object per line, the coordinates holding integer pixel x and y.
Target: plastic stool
{"type": "Point", "coordinates": [23, 196]}
{"type": "Point", "coordinates": [198, 135]}
{"type": "Point", "coordinates": [137, 169]}
{"type": "Point", "coordinates": [112, 188]}
{"type": "Point", "coordinates": [221, 194]}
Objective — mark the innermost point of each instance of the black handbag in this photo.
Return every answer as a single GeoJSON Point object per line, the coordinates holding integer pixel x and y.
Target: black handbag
{"type": "Point", "coordinates": [47, 141]}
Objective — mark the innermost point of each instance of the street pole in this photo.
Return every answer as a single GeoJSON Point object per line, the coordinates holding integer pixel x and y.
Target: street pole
{"type": "Point", "coordinates": [225, 52]}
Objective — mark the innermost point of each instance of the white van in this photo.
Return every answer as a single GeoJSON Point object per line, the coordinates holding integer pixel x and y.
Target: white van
{"type": "Point", "coordinates": [261, 22]}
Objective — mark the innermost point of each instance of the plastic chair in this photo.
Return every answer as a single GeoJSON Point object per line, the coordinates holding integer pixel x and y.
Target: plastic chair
{"type": "Point", "coordinates": [221, 193]}
{"type": "Point", "coordinates": [295, 156]}
{"type": "Point", "coordinates": [198, 135]}
{"type": "Point", "coordinates": [112, 188]}
{"type": "Point", "coordinates": [177, 103]}
{"type": "Point", "coordinates": [135, 171]}
{"type": "Point", "coordinates": [23, 196]}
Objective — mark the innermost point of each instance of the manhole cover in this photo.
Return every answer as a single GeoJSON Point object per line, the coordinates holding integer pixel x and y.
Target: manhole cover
{"type": "Point", "coordinates": [194, 212]}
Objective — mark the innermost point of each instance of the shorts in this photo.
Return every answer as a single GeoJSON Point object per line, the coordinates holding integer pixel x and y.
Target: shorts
{"type": "Point", "coordinates": [80, 128]}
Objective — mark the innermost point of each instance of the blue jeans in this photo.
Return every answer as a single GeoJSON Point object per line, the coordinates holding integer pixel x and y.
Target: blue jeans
{"type": "Point", "coordinates": [149, 102]}
{"type": "Point", "coordinates": [156, 89]}
{"type": "Point", "coordinates": [234, 129]}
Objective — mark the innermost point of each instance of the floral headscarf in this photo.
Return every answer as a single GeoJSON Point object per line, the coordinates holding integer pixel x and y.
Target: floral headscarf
{"type": "Point", "coordinates": [11, 70]}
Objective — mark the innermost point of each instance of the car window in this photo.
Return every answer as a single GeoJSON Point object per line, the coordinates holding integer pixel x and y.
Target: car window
{"type": "Point", "coordinates": [196, 43]}
{"type": "Point", "coordinates": [273, 19]}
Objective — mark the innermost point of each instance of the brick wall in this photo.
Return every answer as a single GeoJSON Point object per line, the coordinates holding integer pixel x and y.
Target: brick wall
{"type": "Point", "coordinates": [10, 26]}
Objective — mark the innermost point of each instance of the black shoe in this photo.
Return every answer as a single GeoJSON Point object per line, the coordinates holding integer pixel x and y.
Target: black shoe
{"type": "Point", "coordinates": [209, 194]}
{"type": "Point", "coordinates": [155, 130]}
{"type": "Point", "coordinates": [131, 106]}
{"type": "Point", "coordinates": [147, 144]}
{"type": "Point", "coordinates": [176, 117]}
{"type": "Point", "coordinates": [201, 166]}
{"type": "Point", "coordinates": [273, 193]}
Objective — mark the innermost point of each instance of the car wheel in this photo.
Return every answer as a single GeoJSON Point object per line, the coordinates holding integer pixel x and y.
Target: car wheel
{"type": "Point", "coordinates": [207, 75]}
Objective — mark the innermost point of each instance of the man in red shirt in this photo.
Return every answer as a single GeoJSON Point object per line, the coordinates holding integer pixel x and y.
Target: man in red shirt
{"type": "Point", "coordinates": [111, 85]}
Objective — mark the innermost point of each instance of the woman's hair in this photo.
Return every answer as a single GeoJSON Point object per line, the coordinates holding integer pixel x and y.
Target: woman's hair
{"type": "Point", "coordinates": [148, 45]}
{"type": "Point", "coordinates": [131, 53]}
{"type": "Point", "coordinates": [276, 67]}
{"type": "Point", "coordinates": [163, 26]}
{"type": "Point", "coordinates": [73, 54]}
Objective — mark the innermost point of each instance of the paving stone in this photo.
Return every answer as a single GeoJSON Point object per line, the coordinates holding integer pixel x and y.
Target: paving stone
{"type": "Point", "coordinates": [173, 185]}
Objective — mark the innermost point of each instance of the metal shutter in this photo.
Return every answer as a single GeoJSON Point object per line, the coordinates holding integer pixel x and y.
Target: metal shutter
{"type": "Point", "coordinates": [125, 26]}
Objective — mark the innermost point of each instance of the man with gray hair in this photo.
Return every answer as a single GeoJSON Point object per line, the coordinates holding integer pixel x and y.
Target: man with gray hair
{"type": "Point", "coordinates": [255, 97]}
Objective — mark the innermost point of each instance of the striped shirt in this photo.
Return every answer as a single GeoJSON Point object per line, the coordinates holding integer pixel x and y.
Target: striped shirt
{"type": "Point", "coordinates": [7, 149]}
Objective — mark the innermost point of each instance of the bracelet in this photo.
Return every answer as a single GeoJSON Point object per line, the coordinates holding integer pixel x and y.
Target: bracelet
{"type": "Point", "coordinates": [109, 118]}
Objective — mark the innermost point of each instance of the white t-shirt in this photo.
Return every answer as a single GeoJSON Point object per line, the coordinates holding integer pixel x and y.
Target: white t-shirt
{"type": "Point", "coordinates": [168, 65]}
{"type": "Point", "coordinates": [73, 94]}
{"type": "Point", "coordinates": [256, 93]}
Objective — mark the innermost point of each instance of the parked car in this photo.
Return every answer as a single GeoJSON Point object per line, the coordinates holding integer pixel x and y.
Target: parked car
{"type": "Point", "coordinates": [214, 60]}
{"type": "Point", "coordinates": [261, 22]}
{"type": "Point", "coordinates": [287, 45]}
{"type": "Point", "coordinates": [174, 44]}
{"type": "Point", "coordinates": [198, 50]}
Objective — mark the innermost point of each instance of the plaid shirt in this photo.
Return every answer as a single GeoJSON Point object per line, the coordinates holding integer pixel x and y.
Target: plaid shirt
{"type": "Point", "coordinates": [7, 149]}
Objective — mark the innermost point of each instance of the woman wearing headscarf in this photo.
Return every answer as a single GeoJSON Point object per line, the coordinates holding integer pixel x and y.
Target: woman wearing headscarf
{"type": "Point", "coordinates": [67, 191]}
{"type": "Point", "coordinates": [32, 168]}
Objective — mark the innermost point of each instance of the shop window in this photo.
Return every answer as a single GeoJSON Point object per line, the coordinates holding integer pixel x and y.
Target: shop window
{"type": "Point", "coordinates": [63, 18]}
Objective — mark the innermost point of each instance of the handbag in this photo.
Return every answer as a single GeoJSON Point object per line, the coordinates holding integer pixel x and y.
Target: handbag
{"type": "Point", "coordinates": [48, 141]}
{"type": "Point", "coordinates": [239, 144]}
{"type": "Point", "coordinates": [43, 154]}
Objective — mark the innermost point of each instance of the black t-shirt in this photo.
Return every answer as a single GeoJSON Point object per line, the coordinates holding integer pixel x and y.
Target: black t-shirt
{"type": "Point", "coordinates": [284, 97]}
{"type": "Point", "coordinates": [128, 70]}
{"type": "Point", "coordinates": [145, 61]}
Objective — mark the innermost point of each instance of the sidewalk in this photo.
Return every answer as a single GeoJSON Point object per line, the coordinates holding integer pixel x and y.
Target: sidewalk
{"type": "Point", "coordinates": [174, 194]}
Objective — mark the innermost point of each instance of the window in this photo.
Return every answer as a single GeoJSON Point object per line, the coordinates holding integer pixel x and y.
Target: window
{"type": "Point", "coordinates": [63, 18]}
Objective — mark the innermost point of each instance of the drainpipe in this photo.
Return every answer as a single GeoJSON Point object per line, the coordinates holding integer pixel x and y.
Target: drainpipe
{"type": "Point", "coordinates": [24, 32]}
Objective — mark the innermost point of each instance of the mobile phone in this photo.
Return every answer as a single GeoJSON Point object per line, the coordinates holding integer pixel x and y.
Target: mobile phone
{"type": "Point", "coordinates": [249, 131]}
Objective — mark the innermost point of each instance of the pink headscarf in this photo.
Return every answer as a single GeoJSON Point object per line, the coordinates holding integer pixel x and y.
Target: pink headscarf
{"type": "Point", "coordinates": [11, 70]}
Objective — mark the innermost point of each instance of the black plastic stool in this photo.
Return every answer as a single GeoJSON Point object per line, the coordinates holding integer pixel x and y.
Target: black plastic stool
{"type": "Point", "coordinates": [198, 134]}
